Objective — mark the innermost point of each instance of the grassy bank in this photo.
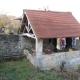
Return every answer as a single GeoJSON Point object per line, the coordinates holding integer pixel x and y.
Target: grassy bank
{"type": "Point", "coordinates": [24, 70]}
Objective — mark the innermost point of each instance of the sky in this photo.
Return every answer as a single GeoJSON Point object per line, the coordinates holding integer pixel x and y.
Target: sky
{"type": "Point", "coordinates": [15, 7]}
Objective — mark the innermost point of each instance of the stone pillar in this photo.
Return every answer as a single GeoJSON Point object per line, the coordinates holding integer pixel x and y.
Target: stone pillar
{"type": "Point", "coordinates": [79, 43]}
{"type": "Point", "coordinates": [21, 40]}
{"type": "Point", "coordinates": [39, 50]}
{"type": "Point", "coordinates": [39, 46]}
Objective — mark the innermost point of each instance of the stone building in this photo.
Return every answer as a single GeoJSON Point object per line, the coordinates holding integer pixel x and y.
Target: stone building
{"type": "Point", "coordinates": [38, 27]}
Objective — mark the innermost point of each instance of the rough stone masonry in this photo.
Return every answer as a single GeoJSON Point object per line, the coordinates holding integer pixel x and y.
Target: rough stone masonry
{"type": "Point", "coordinates": [10, 46]}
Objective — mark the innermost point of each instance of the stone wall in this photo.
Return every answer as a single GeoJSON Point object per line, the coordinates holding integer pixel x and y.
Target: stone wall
{"type": "Point", "coordinates": [27, 43]}
{"type": "Point", "coordinates": [10, 45]}
{"type": "Point", "coordinates": [55, 60]}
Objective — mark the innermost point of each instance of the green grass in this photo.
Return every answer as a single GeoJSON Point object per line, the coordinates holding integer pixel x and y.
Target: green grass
{"type": "Point", "coordinates": [24, 70]}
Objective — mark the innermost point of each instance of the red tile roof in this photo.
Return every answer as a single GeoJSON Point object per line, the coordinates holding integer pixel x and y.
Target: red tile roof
{"type": "Point", "coordinates": [50, 24]}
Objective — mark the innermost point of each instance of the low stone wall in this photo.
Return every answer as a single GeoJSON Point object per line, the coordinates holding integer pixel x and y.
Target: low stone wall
{"type": "Point", "coordinates": [10, 45]}
{"type": "Point", "coordinates": [31, 57]}
{"type": "Point", "coordinates": [55, 60]}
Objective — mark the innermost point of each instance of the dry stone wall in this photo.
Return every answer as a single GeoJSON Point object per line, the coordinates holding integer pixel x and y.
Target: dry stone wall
{"type": "Point", "coordinates": [10, 45]}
